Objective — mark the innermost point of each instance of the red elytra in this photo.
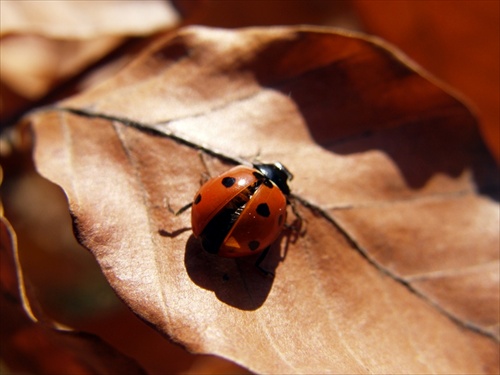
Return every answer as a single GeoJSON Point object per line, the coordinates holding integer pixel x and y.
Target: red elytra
{"type": "Point", "coordinates": [243, 211]}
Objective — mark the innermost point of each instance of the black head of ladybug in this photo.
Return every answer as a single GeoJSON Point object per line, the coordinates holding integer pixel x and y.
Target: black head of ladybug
{"type": "Point", "coordinates": [277, 173]}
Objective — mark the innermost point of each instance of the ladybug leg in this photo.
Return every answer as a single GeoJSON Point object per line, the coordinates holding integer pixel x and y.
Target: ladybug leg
{"type": "Point", "coordinates": [259, 261]}
{"type": "Point", "coordinates": [179, 211]}
{"type": "Point", "coordinates": [175, 233]}
{"type": "Point", "coordinates": [299, 221]}
{"type": "Point", "coordinates": [182, 209]}
{"type": "Point", "coordinates": [205, 176]}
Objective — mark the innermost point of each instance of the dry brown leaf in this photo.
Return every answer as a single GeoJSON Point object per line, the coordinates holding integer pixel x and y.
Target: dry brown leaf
{"type": "Point", "coordinates": [86, 19]}
{"type": "Point", "coordinates": [45, 43]}
{"type": "Point", "coordinates": [68, 284]}
{"type": "Point", "coordinates": [457, 41]}
{"type": "Point", "coordinates": [390, 174]}
{"type": "Point", "coordinates": [27, 334]}
{"type": "Point", "coordinates": [32, 65]}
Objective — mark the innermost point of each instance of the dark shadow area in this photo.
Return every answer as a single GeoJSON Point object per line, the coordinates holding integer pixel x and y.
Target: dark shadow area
{"type": "Point", "coordinates": [355, 98]}
{"type": "Point", "coordinates": [175, 233]}
{"type": "Point", "coordinates": [235, 281]}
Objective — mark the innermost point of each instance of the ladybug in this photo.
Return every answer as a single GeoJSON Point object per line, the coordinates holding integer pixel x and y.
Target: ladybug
{"type": "Point", "coordinates": [242, 211]}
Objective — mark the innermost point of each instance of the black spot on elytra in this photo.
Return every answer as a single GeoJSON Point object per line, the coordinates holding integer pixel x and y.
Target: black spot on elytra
{"type": "Point", "coordinates": [228, 181]}
{"type": "Point", "coordinates": [263, 210]}
{"type": "Point", "coordinates": [253, 245]}
{"type": "Point", "coordinates": [212, 236]}
{"type": "Point", "coordinates": [197, 199]}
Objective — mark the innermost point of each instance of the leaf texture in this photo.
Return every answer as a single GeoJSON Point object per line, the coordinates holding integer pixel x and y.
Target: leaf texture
{"type": "Point", "coordinates": [397, 270]}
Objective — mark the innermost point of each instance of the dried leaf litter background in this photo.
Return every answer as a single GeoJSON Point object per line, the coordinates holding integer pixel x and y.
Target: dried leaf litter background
{"type": "Point", "coordinates": [45, 44]}
{"type": "Point", "coordinates": [27, 333]}
{"type": "Point", "coordinates": [394, 181]}
{"type": "Point", "coordinates": [438, 34]}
